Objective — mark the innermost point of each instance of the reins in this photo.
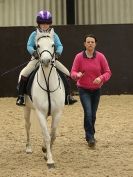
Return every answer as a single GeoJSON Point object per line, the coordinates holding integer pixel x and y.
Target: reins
{"type": "Point", "coordinates": [47, 89]}
{"type": "Point", "coordinates": [47, 81]}
{"type": "Point", "coordinates": [47, 85]}
{"type": "Point", "coordinates": [52, 65]}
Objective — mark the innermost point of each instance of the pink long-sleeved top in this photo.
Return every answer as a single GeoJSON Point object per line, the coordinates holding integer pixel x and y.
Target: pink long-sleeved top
{"type": "Point", "coordinates": [94, 67]}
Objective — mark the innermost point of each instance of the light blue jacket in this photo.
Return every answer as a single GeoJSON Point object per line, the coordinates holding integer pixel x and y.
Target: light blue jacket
{"type": "Point", "coordinates": [31, 47]}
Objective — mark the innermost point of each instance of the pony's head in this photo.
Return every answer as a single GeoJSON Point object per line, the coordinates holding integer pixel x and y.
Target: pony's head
{"type": "Point", "coordinates": [45, 46]}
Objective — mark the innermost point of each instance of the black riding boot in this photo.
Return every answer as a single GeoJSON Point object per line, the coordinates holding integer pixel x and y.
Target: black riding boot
{"type": "Point", "coordinates": [21, 90]}
{"type": "Point", "coordinates": [68, 96]}
{"type": "Point", "coordinates": [69, 99]}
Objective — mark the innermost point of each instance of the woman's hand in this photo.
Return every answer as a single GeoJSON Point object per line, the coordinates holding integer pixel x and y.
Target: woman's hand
{"type": "Point", "coordinates": [79, 75]}
{"type": "Point", "coordinates": [97, 81]}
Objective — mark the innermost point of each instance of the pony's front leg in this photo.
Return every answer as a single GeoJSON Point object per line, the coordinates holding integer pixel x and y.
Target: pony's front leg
{"type": "Point", "coordinates": [47, 138]}
{"type": "Point", "coordinates": [54, 124]}
{"type": "Point", "coordinates": [27, 112]}
{"type": "Point", "coordinates": [44, 147]}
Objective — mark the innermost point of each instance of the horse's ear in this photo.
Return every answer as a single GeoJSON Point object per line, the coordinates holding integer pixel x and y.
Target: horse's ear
{"type": "Point", "coordinates": [38, 30]}
{"type": "Point", "coordinates": [52, 32]}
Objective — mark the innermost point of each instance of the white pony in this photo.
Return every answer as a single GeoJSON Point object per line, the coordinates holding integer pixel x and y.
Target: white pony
{"type": "Point", "coordinates": [48, 94]}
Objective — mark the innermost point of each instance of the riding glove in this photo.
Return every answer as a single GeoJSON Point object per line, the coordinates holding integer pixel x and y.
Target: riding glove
{"type": "Point", "coordinates": [57, 56]}
{"type": "Point", "coordinates": [35, 55]}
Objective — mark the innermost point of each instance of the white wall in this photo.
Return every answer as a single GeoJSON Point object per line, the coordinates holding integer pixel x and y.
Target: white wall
{"type": "Point", "coordinates": [104, 11]}
{"type": "Point", "coordinates": [23, 12]}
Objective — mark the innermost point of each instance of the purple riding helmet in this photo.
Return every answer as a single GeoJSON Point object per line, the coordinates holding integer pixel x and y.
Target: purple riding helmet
{"type": "Point", "coordinates": [44, 17]}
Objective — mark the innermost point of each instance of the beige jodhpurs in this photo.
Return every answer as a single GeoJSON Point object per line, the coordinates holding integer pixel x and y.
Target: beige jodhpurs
{"type": "Point", "coordinates": [26, 71]}
{"type": "Point", "coordinates": [33, 63]}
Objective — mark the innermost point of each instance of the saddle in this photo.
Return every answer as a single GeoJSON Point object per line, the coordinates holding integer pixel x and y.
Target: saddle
{"type": "Point", "coordinates": [29, 83]}
{"type": "Point", "coordinates": [31, 78]}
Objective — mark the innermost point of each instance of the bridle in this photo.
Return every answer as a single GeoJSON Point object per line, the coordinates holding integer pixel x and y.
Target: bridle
{"type": "Point", "coordinates": [47, 89]}
{"type": "Point", "coordinates": [37, 46]}
{"type": "Point", "coordinates": [52, 65]}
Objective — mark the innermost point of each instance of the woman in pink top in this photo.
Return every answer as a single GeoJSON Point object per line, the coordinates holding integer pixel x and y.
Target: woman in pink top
{"type": "Point", "coordinates": [91, 70]}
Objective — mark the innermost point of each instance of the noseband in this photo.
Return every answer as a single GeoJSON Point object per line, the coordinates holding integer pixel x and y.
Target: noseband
{"type": "Point", "coordinates": [52, 55]}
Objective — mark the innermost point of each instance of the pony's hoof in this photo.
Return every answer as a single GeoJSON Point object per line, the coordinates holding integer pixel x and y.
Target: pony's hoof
{"type": "Point", "coordinates": [50, 166]}
{"type": "Point", "coordinates": [44, 149]}
{"type": "Point", "coordinates": [29, 151]}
